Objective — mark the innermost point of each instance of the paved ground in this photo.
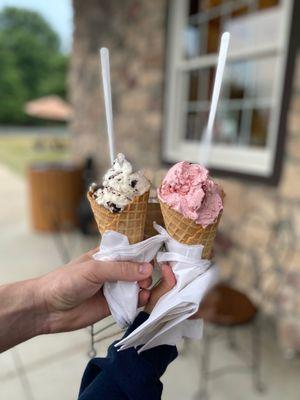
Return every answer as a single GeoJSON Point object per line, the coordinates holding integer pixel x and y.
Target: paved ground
{"type": "Point", "coordinates": [50, 367]}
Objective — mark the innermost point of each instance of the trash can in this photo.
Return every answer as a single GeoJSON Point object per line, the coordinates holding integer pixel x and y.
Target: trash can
{"type": "Point", "coordinates": [55, 190]}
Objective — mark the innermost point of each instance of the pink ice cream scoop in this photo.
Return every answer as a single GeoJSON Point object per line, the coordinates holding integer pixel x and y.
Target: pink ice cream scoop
{"type": "Point", "coordinates": [188, 189]}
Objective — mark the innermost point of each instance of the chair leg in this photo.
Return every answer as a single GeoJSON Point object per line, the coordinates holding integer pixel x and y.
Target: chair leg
{"type": "Point", "coordinates": [185, 347]}
{"type": "Point", "coordinates": [204, 367]}
{"type": "Point", "coordinates": [231, 339]}
{"type": "Point", "coordinates": [256, 356]}
{"type": "Point", "coordinates": [92, 351]}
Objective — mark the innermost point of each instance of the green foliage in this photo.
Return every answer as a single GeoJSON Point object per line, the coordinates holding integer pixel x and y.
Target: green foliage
{"type": "Point", "coordinates": [31, 64]}
{"type": "Point", "coordinates": [12, 91]}
{"type": "Point", "coordinates": [55, 83]}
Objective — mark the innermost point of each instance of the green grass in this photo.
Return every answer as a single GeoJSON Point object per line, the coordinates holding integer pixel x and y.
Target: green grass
{"type": "Point", "coordinates": [18, 151]}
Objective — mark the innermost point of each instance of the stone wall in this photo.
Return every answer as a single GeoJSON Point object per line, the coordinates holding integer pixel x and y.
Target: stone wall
{"type": "Point", "coordinates": [263, 223]}
{"type": "Point", "coordinates": [264, 226]}
{"type": "Point", "coordinates": [134, 33]}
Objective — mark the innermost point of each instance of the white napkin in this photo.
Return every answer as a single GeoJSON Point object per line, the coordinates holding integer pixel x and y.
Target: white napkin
{"type": "Point", "coordinates": [122, 297]}
{"type": "Point", "coordinates": [168, 322]}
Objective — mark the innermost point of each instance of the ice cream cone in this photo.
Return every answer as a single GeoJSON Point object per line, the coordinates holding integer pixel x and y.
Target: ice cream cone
{"type": "Point", "coordinates": [153, 215]}
{"type": "Point", "coordinates": [130, 221]}
{"type": "Point", "coordinates": [186, 231]}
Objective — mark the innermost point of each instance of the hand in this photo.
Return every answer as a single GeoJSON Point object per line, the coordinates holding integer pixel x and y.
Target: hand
{"type": "Point", "coordinates": [72, 295]}
{"type": "Point", "coordinates": [167, 282]}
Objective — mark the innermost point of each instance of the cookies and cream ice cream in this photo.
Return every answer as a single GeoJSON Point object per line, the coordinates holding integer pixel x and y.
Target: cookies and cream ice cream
{"type": "Point", "coordinates": [120, 186]}
{"type": "Point", "coordinates": [188, 189]}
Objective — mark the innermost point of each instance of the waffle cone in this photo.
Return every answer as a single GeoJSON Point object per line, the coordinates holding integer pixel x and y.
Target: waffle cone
{"type": "Point", "coordinates": [130, 222]}
{"type": "Point", "coordinates": [153, 215]}
{"type": "Point", "coordinates": [186, 231]}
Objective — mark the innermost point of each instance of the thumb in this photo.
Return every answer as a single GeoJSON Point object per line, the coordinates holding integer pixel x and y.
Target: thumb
{"type": "Point", "coordinates": [100, 271]}
{"type": "Point", "coordinates": [168, 281]}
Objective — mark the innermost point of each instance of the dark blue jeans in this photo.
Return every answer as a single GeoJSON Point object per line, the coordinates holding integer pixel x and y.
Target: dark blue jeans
{"type": "Point", "coordinates": [126, 374]}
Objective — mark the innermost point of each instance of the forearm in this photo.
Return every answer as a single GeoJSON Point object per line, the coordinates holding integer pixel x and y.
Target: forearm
{"type": "Point", "coordinates": [21, 313]}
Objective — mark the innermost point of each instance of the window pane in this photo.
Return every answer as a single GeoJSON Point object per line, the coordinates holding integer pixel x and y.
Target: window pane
{"type": "Point", "coordinates": [195, 40]}
{"type": "Point", "coordinates": [242, 126]}
{"type": "Point", "coordinates": [262, 76]}
{"type": "Point", "coordinates": [235, 80]}
{"type": "Point", "coordinates": [228, 126]}
{"type": "Point", "coordinates": [193, 7]}
{"type": "Point", "coordinates": [193, 86]}
{"type": "Point", "coordinates": [259, 127]}
{"type": "Point", "coordinates": [243, 19]}
{"type": "Point", "coordinates": [267, 3]}
{"type": "Point", "coordinates": [200, 85]}
{"type": "Point", "coordinates": [250, 79]}
{"type": "Point", "coordinates": [243, 115]}
{"type": "Point", "coordinates": [236, 13]}
{"type": "Point", "coordinates": [195, 123]}
{"type": "Point", "coordinates": [213, 35]}
{"type": "Point", "coordinates": [255, 29]}
{"type": "Point", "coordinates": [209, 4]}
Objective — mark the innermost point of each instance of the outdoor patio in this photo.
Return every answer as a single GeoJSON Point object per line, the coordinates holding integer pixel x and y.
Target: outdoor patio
{"type": "Point", "coordinates": [51, 366]}
{"type": "Point", "coordinates": [53, 145]}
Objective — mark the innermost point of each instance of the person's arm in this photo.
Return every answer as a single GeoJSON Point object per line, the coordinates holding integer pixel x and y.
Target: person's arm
{"type": "Point", "coordinates": [66, 299]}
{"type": "Point", "coordinates": [124, 375]}
{"type": "Point", "coordinates": [22, 315]}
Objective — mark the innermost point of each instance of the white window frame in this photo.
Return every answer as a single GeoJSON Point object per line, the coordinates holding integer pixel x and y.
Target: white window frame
{"type": "Point", "coordinates": [235, 158]}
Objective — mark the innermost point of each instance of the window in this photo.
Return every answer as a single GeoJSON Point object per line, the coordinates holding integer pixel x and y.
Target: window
{"type": "Point", "coordinates": [247, 123]}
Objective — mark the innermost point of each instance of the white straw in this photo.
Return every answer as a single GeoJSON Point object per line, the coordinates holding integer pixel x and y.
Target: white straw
{"type": "Point", "coordinates": [206, 141]}
{"type": "Point", "coordinates": [105, 68]}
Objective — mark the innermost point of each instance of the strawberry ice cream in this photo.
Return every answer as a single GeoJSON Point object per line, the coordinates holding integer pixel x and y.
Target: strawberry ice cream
{"type": "Point", "coordinates": [188, 189]}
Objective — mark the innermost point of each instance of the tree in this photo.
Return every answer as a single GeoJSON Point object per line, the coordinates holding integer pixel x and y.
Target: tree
{"type": "Point", "coordinates": [31, 64]}
{"type": "Point", "coordinates": [12, 91]}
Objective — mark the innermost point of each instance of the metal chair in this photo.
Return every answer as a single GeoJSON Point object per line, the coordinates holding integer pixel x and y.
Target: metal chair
{"type": "Point", "coordinates": [226, 309]}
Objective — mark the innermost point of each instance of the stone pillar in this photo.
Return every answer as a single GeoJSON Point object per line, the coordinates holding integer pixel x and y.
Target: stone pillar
{"type": "Point", "coordinates": [134, 33]}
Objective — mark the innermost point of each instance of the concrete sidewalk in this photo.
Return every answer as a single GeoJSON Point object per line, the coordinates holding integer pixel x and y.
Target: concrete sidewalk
{"type": "Point", "coordinates": [29, 370]}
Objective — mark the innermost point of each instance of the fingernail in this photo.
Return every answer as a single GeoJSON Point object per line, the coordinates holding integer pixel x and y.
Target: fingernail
{"type": "Point", "coordinates": [144, 268]}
